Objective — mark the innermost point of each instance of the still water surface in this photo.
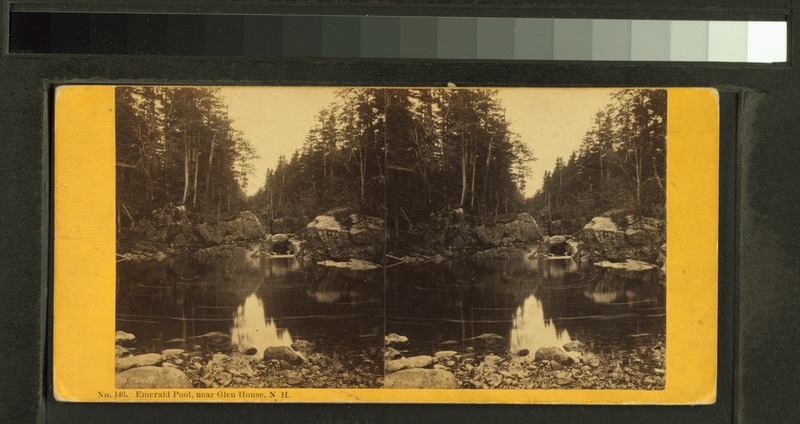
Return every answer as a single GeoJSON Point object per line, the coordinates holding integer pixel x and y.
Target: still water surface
{"type": "Point", "coordinates": [263, 302]}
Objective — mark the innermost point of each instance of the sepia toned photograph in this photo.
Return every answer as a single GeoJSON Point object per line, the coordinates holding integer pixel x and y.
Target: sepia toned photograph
{"type": "Point", "coordinates": [390, 238]}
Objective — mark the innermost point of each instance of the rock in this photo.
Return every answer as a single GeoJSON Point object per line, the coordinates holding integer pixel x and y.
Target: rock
{"type": "Point", "coordinates": [215, 338]}
{"type": "Point", "coordinates": [522, 229]}
{"type": "Point", "coordinates": [294, 380]}
{"type": "Point", "coordinates": [394, 339]}
{"type": "Point", "coordinates": [246, 349]}
{"type": "Point", "coordinates": [419, 378]}
{"type": "Point", "coordinates": [361, 238]}
{"type": "Point", "coordinates": [523, 352]}
{"type": "Point", "coordinates": [444, 354]}
{"type": "Point", "coordinates": [166, 353]}
{"type": "Point", "coordinates": [219, 357]}
{"type": "Point", "coordinates": [557, 240]}
{"type": "Point", "coordinates": [556, 354]}
{"type": "Point", "coordinates": [175, 343]}
{"type": "Point", "coordinates": [353, 264]}
{"type": "Point", "coordinates": [390, 353]}
{"type": "Point", "coordinates": [487, 340]}
{"type": "Point", "coordinates": [304, 347]}
{"type": "Point", "coordinates": [120, 352]}
{"type": "Point", "coordinates": [150, 377]}
{"type": "Point", "coordinates": [628, 265]}
{"type": "Point", "coordinates": [590, 359]}
{"type": "Point", "coordinates": [421, 361]}
{"type": "Point", "coordinates": [638, 238]}
{"type": "Point", "coordinates": [212, 234]}
{"type": "Point", "coordinates": [574, 346]}
{"type": "Point", "coordinates": [564, 381]}
{"type": "Point", "coordinates": [282, 353]}
{"type": "Point", "coordinates": [224, 378]}
{"type": "Point", "coordinates": [491, 359]}
{"type": "Point", "coordinates": [502, 252]}
{"type": "Point", "coordinates": [149, 359]}
{"type": "Point", "coordinates": [494, 380]}
{"type": "Point", "coordinates": [244, 226]}
{"type": "Point", "coordinates": [124, 339]}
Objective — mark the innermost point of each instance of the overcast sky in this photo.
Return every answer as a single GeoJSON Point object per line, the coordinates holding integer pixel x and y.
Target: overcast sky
{"type": "Point", "coordinates": [276, 120]}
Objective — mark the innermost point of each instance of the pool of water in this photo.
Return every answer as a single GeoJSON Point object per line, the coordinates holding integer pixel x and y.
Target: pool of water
{"type": "Point", "coordinates": [267, 301]}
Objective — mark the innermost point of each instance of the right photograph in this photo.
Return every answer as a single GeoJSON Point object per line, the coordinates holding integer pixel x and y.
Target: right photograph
{"type": "Point", "coordinates": [525, 237]}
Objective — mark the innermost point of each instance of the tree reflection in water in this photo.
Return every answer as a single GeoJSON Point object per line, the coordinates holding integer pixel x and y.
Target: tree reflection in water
{"type": "Point", "coordinates": [251, 328]}
{"type": "Point", "coordinates": [531, 331]}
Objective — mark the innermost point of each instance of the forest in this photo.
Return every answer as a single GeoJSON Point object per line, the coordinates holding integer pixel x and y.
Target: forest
{"type": "Point", "coordinates": [177, 146]}
{"type": "Point", "coordinates": [620, 166]}
{"type": "Point", "coordinates": [399, 154]}
{"type": "Point", "coordinates": [402, 155]}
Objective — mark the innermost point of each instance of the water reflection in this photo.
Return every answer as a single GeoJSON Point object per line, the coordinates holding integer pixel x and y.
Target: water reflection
{"type": "Point", "coordinates": [251, 299]}
{"type": "Point", "coordinates": [531, 331]}
{"type": "Point", "coordinates": [251, 328]}
{"type": "Point", "coordinates": [536, 302]}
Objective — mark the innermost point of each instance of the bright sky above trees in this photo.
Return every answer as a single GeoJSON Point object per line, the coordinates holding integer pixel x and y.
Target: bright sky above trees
{"type": "Point", "coordinates": [276, 120]}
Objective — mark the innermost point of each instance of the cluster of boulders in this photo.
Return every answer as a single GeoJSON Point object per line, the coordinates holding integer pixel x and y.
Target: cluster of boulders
{"type": "Point", "coordinates": [144, 371]}
{"type": "Point", "coordinates": [484, 363]}
{"type": "Point", "coordinates": [210, 360]}
{"type": "Point", "coordinates": [170, 232]}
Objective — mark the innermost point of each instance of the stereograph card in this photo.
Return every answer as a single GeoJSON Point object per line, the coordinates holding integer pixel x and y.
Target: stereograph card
{"type": "Point", "coordinates": [405, 244]}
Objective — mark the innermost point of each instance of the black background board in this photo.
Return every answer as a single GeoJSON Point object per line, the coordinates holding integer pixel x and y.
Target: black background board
{"type": "Point", "coordinates": [759, 313]}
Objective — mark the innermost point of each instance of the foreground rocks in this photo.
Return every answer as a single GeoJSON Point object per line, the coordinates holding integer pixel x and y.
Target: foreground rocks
{"type": "Point", "coordinates": [491, 366]}
{"type": "Point", "coordinates": [210, 361]}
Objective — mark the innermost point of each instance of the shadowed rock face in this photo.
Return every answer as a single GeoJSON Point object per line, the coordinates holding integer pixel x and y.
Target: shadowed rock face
{"type": "Point", "coordinates": [523, 229]}
{"type": "Point", "coordinates": [420, 378]}
{"type": "Point", "coordinates": [637, 238]}
{"type": "Point", "coordinates": [361, 238]}
{"type": "Point", "coordinates": [244, 226]}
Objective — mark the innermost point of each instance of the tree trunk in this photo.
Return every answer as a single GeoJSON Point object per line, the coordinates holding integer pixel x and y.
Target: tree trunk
{"type": "Point", "coordinates": [196, 169]}
{"type": "Point", "coordinates": [185, 169]}
{"type": "Point", "coordinates": [362, 165]}
{"type": "Point", "coordinates": [209, 193]}
{"type": "Point", "coordinates": [472, 189]}
{"type": "Point", "coordinates": [463, 172]}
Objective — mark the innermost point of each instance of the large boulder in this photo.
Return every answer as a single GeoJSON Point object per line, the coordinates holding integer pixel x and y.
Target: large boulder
{"type": "Point", "coordinates": [283, 353]}
{"type": "Point", "coordinates": [523, 229]}
{"type": "Point", "coordinates": [556, 354]}
{"type": "Point", "coordinates": [127, 362]}
{"type": "Point", "coordinates": [359, 237]}
{"type": "Point", "coordinates": [421, 361]}
{"type": "Point", "coordinates": [638, 238]}
{"type": "Point", "coordinates": [124, 339]}
{"type": "Point", "coordinates": [421, 378]}
{"type": "Point", "coordinates": [152, 378]}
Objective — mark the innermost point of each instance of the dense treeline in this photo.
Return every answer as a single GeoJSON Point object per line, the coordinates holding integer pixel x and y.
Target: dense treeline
{"type": "Point", "coordinates": [621, 165]}
{"type": "Point", "coordinates": [176, 146]}
{"type": "Point", "coordinates": [401, 154]}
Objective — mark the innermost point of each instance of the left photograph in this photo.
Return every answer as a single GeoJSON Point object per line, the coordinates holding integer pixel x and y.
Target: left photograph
{"type": "Point", "coordinates": [209, 293]}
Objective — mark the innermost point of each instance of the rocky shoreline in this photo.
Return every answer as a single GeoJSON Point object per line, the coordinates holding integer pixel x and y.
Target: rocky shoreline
{"type": "Point", "coordinates": [354, 241]}
{"type": "Point", "coordinates": [481, 362]}
{"type": "Point", "coordinates": [210, 361]}
{"type": "Point", "coordinates": [484, 363]}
